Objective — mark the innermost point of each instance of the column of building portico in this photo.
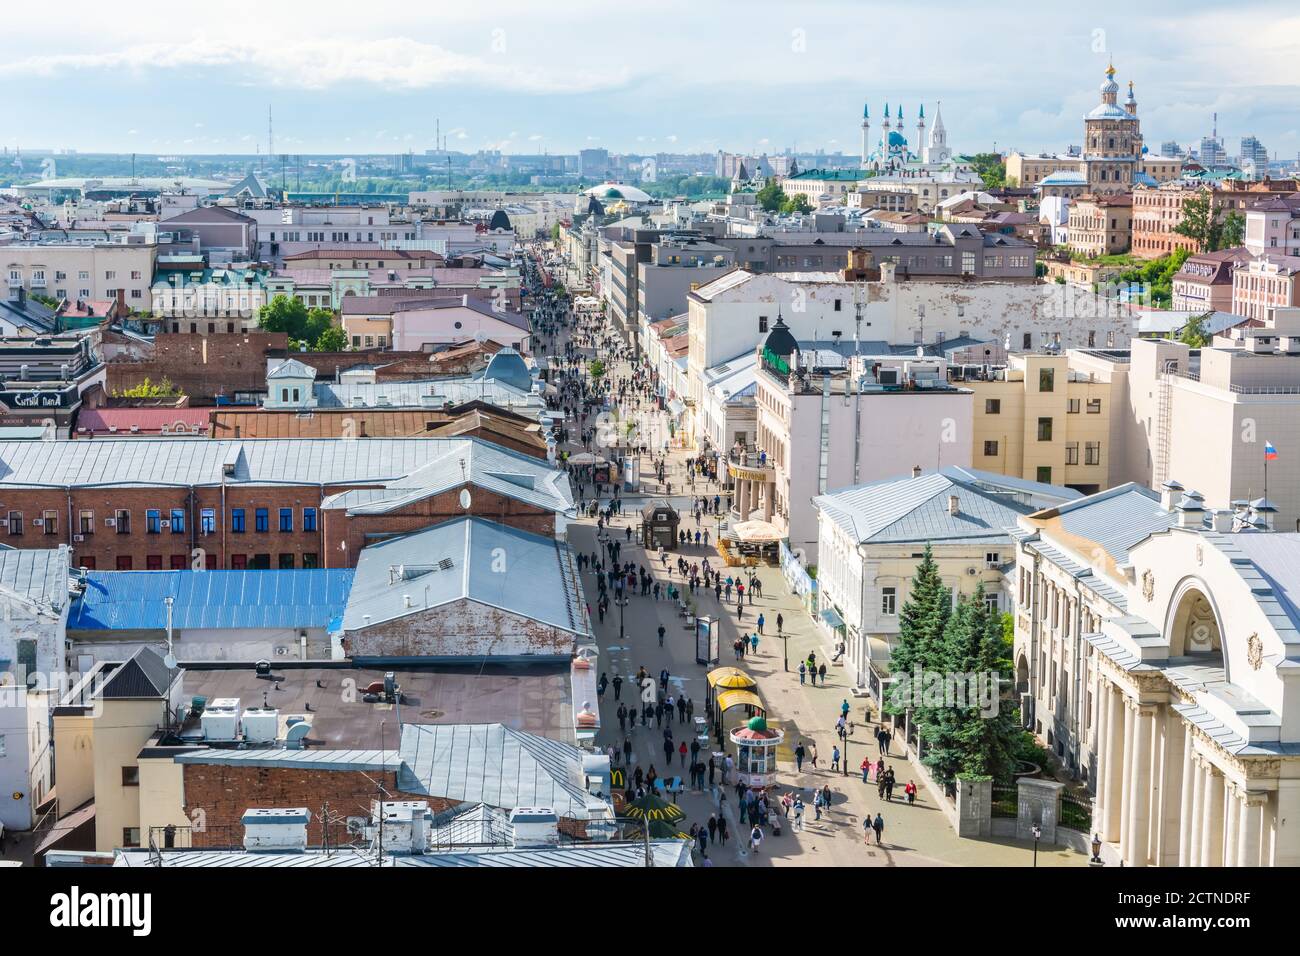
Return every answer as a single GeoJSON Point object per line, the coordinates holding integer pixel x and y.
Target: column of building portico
{"type": "Point", "coordinates": [742, 498]}
{"type": "Point", "coordinates": [1126, 778]}
{"type": "Point", "coordinates": [1171, 736]}
{"type": "Point", "coordinates": [1253, 806]}
{"type": "Point", "coordinates": [769, 490]}
{"type": "Point", "coordinates": [1112, 763]}
{"type": "Point", "coordinates": [1211, 848]}
{"type": "Point", "coordinates": [1136, 849]}
{"type": "Point", "coordinates": [1231, 823]}
{"type": "Point", "coordinates": [1195, 822]}
{"type": "Point", "coordinates": [1188, 806]}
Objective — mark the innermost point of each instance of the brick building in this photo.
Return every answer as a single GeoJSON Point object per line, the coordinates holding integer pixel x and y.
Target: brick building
{"type": "Point", "coordinates": [201, 366]}
{"type": "Point", "coordinates": [155, 503]}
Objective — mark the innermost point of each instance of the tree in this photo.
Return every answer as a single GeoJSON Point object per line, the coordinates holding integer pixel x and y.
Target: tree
{"type": "Point", "coordinates": [920, 628]}
{"type": "Point", "coordinates": [991, 169]}
{"type": "Point", "coordinates": [149, 389]}
{"type": "Point", "coordinates": [333, 339]}
{"type": "Point", "coordinates": [596, 368]}
{"type": "Point", "coordinates": [303, 326]}
{"type": "Point", "coordinates": [1233, 232]}
{"type": "Point", "coordinates": [555, 233]}
{"type": "Point", "coordinates": [1194, 334]}
{"type": "Point", "coordinates": [796, 203]}
{"type": "Point", "coordinates": [771, 197]}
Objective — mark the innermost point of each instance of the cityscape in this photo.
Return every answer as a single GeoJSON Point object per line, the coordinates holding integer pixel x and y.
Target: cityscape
{"type": "Point", "coordinates": [405, 462]}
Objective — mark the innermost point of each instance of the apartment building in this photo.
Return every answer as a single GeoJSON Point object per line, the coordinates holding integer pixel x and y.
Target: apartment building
{"type": "Point", "coordinates": [1273, 226]}
{"type": "Point", "coordinates": [157, 503]}
{"type": "Point", "coordinates": [1268, 281]}
{"type": "Point", "coordinates": [1158, 210]}
{"type": "Point", "coordinates": [224, 234]}
{"type": "Point", "coordinates": [1205, 281]}
{"type": "Point", "coordinates": [826, 422]}
{"type": "Point", "coordinates": [1046, 419]}
{"type": "Point", "coordinates": [1101, 225]}
{"type": "Point", "coordinates": [75, 270]}
{"type": "Point", "coordinates": [676, 266]}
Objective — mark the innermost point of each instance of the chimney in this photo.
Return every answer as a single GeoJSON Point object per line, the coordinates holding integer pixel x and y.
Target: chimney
{"type": "Point", "coordinates": [1171, 492]}
{"type": "Point", "coordinates": [1191, 510]}
{"type": "Point", "coordinates": [954, 505]}
{"type": "Point", "coordinates": [916, 471]}
{"type": "Point", "coordinates": [1222, 520]}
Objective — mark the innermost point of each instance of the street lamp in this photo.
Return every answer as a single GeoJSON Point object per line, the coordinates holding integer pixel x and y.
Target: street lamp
{"type": "Point", "coordinates": [844, 754]}
{"type": "Point", "coordinates": [1038, 832]}
{"type": "Point", "coordinates": [1096, 849]}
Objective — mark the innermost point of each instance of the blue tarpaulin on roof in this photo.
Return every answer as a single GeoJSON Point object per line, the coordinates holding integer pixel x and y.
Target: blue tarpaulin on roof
{"type": "Point", "coordinates": [129, 600]}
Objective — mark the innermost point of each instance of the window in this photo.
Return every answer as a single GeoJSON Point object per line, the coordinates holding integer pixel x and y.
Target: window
{"type": "Point", "coordinates": [1046, 379]}
{"type": "Point", "coordinates": [122, 521]}
{"type": "Point", "coordinates": [1072, 406]}
{"type": "Point", "coordinates": [130, 836]}
{"type": "Point", "coordinates": [1072, 453]}
{"type": "Point", "coordinates": [177, 562]}
{"type": "Point", "coordinates": [124, 562]}
{"type": "Point", "coordinates": [992, 406]}
{"type": "Point", "coordinates": [309, 561]}
{"type": "Point", "coordinates": [237, 520]}
{"type": "Point", "coordinates": [990, 449]}
{"type": "Point", "coordinates": [153, 562]}
{"type": "Point", "coordinates": [308, 519]}
{"type": "Point", "coordinates": [1044, 429]}
{"type": "Point", "coordinates": [1044, 475]}
{"type": "Point", "coordinates": [286, 519]}
{"type": "Point", "coordinates": [50, 522]}
{"type": "Point", "coordinates": [86, 522]}
{"type": "Point", "coordinates": [15, 522]}
{"type": "Point", "coordinates": [762, 323]}
{"type": "Point", "coordinates": [152, 521]}
{"type": "Point", "coordinates": [991, 601]}
{"type": "Point", "coordinates": [889, 601]}
{"type": "Point", "coordinates": [110, 275]}
{"type": "Point", "coordinates": [992, 558]}
{"type": "Point", "coordinates": [262, 520]}
{"type": "Point", "coordinates": [1027, 341]}
{"type": "Point", "coordinates": [837, 305]}
{"type": "Point", "coordinates": [178, 520]}
{"type": "Point", "coordinates": [968, 262]}
{"type": "Point", "coordinates": [1094, 406]}
{"type": "Point", "coordinates": [286, 562]}
{"type": "Point", "coordinates": [260, 562]}
{"type": "Point", "coordinates": [208, 521]}
{"type": "Point", "coordinates": [1092, 453]}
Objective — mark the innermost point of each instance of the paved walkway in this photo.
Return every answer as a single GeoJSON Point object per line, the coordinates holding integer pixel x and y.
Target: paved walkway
{"type": "Point", "coordinates": [916, 835]}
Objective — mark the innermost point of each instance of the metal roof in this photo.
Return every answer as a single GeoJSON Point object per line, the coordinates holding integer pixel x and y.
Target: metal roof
{"type": "Point", "coordinates": [176, 461]}
{"type": "Point", "coordinates": [468, 558]}
{"type": "Point", "coordinates": [133, 600]}
{"type": "Point", "coordinates": [1117, 519]}
{"type": "Point", "coordinates": [38, 576]}
{"type": "Point", "coordinates": [311, 759]}
{"type": "Point", "coordinates": [496, 765]}
{"type": "Point", "coordinates": [916, 509]}
{"type": "Point", "coordinates": [431, 393]}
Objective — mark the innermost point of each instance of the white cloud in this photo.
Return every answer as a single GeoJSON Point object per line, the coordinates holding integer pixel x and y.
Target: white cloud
{"type": "Point", "coordinates": [316, 63]}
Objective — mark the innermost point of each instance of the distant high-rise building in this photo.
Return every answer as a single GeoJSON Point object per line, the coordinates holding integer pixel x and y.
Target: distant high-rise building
{"type": "Point", "coordinates": [1170, 148]}
{"type": "Point", "coordinates": [593, 163]}
{"type": "Point", "coordinates": [1253, 152]}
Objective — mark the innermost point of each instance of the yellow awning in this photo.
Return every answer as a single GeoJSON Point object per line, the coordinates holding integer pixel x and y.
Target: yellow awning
{"type": "Point", "coordinates": [737, 698]}
{"type": "Point", "coordinates": [732, 678]}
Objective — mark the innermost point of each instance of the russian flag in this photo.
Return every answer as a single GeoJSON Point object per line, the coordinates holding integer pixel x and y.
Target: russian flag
{"type": "Point", "coordinates": [1270, 453]}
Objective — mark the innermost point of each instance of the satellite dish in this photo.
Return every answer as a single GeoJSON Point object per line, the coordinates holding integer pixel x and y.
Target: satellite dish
{"type": "Point", "coordinates": [464, 499]}
{"type": "Point", "coordinates": [170, 662]}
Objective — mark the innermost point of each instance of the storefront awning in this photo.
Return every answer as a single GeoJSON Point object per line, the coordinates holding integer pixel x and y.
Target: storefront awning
{"type": "Point", "coordinates": [832, 619]}
{"type": "Point", "coordinates": [739, 698]}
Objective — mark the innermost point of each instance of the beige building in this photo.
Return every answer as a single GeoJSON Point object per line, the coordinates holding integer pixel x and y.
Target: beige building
{"type": "Point", "coordinates": [1267, 282]}
{"type": "Point", "coordinates": [1152, 644]}
{"type": "Point", "coordinates": [74, 271]}
{"type": "Point", "coordinates": [1101, 225]}
{"type": "Point", "coordinates": [1047, 418]}
{"type": "Point", "coordinates": [100, 727]}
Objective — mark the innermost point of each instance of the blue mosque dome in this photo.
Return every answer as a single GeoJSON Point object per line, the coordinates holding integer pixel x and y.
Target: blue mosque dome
{"type": "Point", "coordinates": [897, 139]}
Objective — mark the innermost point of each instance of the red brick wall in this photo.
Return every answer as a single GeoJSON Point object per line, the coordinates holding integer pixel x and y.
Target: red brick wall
{"type": "Point", "coordinates": [203, 366]}
{"type": "Point", "coordinates": [105, 545]}
{"type": "Point", "coordinates": [223, 793]}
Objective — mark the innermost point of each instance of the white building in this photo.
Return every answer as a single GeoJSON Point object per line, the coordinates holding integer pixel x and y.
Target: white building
{"type": "Point", "coordinates": [1155, 648]}
{"type": "Point", "coordinates": [871, 538]}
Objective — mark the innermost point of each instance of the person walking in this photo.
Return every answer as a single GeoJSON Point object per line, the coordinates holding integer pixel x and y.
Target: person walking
{"type": "Point", "coordinates": [798, 814]}
{"type": "Point", "coordinates": [600, 687]}
{"type": "Point", "coordinates": [799, 754]}
{"type": "Point", "coordinates": [803, 672]}
{"type": "Point", "coordinates": [661, 635]}
{"type": "Point", "coordinates": [835, 759]}
{"type": "Point", "coordinates": [910, 792]}
{"type": "Point", "coordinates": [878, 825]}
{"type": "Point", "coordinates": [760, 623]}
{"type": "Point", "coordinates": [780, 623]}
{"type": "Point", "coordinates": [866, 768]}
{"type": "Point", "coordinates": [821, 672]}
{"type": "Point", "coordinates": [681, 751]}
{"type": "Point", "coordinates": [618, 685]}
{"type": "Point", "coordinates": [753, 642]}
{"type": "Point", "coordinates": [756, 838]}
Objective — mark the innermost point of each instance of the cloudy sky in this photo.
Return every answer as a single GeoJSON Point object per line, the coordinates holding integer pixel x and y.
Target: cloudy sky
{"type": "Point", "coordinates": [670, 75]}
